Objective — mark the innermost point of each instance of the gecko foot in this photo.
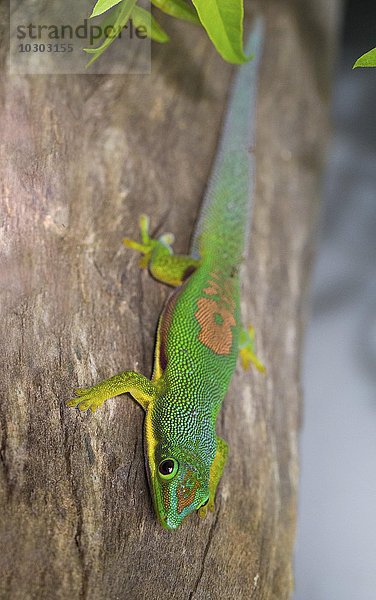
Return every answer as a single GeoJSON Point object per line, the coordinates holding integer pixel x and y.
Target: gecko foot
{"type": "Point", "coordinates": [147, 243]}
{"type": "Point", "coordinates": [87, 398]}
{"type": "Point", "coordinates": [203, 510]}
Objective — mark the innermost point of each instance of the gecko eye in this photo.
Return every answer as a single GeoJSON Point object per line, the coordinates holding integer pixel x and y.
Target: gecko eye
{"type": "Point", "coordinates": [168, 468]}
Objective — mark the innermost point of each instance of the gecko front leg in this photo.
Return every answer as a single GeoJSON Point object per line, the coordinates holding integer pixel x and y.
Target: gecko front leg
{"type": "Point", "coordinates": [216, 471]}
{"type": "Point", "coordinates": [140, 388]}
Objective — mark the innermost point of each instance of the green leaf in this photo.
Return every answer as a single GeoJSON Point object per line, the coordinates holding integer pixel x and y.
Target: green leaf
{"type": "Point", "coordinates": [178, 9]}
{"type": "Point", "coordinates": [117, 19]}
{"type": "Point", "coordinates": [143, 18]}
{"type": "Point", "coordinates": [366, 60]}
{"type": "Point", "coordinates": [103, 5]}
{"type": "Point", "coordinates": [223, 21]}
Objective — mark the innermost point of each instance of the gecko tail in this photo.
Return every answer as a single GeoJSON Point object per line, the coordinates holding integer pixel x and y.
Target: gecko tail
{"type": "Point", "coordinates": [227, 201]}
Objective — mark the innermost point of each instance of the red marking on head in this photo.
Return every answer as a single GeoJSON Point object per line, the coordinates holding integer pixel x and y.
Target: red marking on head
{"type": "Point", "coordinates": [186, 491]}
{"type": "Point", "coordinates": [166, 498]}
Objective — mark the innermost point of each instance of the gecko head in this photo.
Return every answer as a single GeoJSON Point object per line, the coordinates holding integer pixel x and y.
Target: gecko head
{"type": "Point", "coordinates": [180, 485]}
{"type": "Point", "coordinates": [180, 448]}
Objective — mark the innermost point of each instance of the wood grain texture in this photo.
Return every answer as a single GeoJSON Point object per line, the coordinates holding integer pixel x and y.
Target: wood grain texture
{"type": "Point", "coordinates": [81, 158]}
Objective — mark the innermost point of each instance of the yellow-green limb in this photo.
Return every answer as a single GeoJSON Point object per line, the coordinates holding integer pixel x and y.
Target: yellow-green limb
{"type": "Point", "coordinates": [216, 471]}
{"type": "Point", "coordinates": [247, 350]}
{"type": "Point", "coordinates": [141, 388]}
{"type": "Point", "coordinates": [159, 258]}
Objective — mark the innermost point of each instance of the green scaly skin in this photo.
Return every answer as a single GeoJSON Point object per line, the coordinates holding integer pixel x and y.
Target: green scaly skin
{"type": "Point", "coordinates": [199, 333]}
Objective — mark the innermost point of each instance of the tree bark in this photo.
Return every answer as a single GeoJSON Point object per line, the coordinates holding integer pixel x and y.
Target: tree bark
{"type": "Point", "coordinates": [82, 157]}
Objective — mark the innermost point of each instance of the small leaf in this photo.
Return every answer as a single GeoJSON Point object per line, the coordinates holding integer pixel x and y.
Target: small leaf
{"type": "Point", "coordinates": [366, 60]}
{"type": "Point", "coordinates": [178, 9]}
{"type": "Point", "coordinates": [117, 19]}
{"type": "Point", "coordinates": [143, 18]}
{"type": "Point", "coordinates": [223, 21]}
{"type": "Point", "coordinates": [103, 5]}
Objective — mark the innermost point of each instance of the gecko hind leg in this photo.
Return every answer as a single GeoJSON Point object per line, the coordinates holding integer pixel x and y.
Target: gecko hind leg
{"type": "Point", "coordinates": [247, 350]}
{"type": "Point", "coordinates": [158, 256]}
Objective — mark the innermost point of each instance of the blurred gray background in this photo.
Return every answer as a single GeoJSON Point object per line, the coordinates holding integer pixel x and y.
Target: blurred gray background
{"type": "Point", "coordinates": [336, 545]}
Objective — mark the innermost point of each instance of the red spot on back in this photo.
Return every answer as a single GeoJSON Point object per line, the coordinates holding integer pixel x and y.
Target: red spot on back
{"type": "Point", "coordinates": [215, 316]}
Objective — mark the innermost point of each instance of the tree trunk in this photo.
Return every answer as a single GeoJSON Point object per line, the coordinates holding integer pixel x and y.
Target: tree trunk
{"type": "Point", "coordinates": [82, 157]}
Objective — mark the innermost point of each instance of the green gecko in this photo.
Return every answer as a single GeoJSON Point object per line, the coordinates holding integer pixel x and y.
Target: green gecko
{"type": "Point", "coordinates": [199, 334]}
